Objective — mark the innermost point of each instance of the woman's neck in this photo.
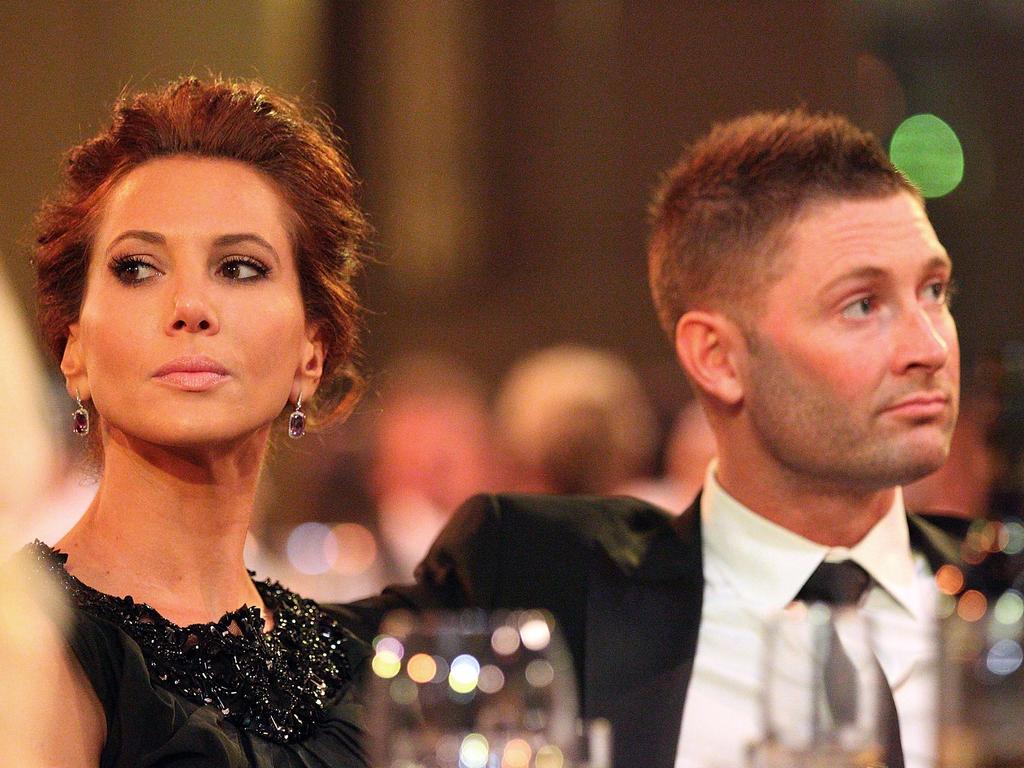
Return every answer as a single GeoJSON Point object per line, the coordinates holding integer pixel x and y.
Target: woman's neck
{"type": "Point", "coordinates": [168, 527]}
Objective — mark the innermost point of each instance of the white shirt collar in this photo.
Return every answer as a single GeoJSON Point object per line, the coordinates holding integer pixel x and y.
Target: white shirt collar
{"type": "Point", "coordinates": [767, 564]}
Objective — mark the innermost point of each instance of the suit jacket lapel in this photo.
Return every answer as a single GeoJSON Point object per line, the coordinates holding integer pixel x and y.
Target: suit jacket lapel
{"type": "Point", "coordinates": [641, 638]}
{"type": "Point", "coordinates": [642, 624]}
{"type": "Point", "coordinates": [938, 547]}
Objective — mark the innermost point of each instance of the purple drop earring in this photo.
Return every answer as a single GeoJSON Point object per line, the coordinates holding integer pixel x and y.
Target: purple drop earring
{"type": "Point", "coordinates": [80, 418]}
{"type": "Point", "coordinates": [297, 421]}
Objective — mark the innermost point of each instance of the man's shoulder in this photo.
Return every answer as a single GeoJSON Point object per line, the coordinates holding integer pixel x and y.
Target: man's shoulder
{"type": "Point", "coordinates": [583, 512]}
{"type": "Point", "coordinates": [622, 526]}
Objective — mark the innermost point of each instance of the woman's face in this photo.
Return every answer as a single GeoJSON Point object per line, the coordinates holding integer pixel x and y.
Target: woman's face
{"type": "Point", "coordinates": [192, 330]}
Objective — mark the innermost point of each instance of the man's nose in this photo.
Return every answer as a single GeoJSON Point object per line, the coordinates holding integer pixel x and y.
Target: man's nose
{"type": "Point", "coordinates": [923, 340]}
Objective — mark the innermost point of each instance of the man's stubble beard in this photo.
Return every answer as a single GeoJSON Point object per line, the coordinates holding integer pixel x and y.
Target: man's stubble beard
{"type": "Point", "coordinates": [814, 436]}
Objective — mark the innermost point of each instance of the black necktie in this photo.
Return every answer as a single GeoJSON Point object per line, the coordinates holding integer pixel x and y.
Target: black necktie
{"type": "Point", "coordinates": [842, 584]}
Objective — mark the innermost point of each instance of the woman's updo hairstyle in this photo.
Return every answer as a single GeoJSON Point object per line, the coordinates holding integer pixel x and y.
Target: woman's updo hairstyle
{"type": "Point", "coordinates": [235, 120]}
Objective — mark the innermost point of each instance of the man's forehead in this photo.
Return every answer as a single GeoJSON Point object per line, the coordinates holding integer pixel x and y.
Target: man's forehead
{"type": "Point", "coordinates": [847, 232]}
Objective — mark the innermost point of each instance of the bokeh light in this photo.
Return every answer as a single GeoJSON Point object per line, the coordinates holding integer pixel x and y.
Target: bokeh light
{"type": "Point", "coordinates": [311, 548]}
{"type": "Point", "coordinates": [356, 549]}
{"type": "Point", "coordinates": [927, 150]}
{"type": "Point", "coordinates": [505, 640]}
{"type": "Point", "coordinates": [390, 644]}
{"type": "Point", "coordinates": [517, 754]}
{"type": "Point", "coordinates": [1009, 608]}
{"type": "Point", "coordinates": [464, 673]}
{"type": "Point", "coordinates": [421, 668]}
{"type": "Point", "coordinates": [540, 673]}
{"type": "Point", "coordinates": [474, 751]}
{"type": "Point", "coordinates": [535, 633]}
{"type": "Point", "coordinates": [492, 679]}
{"type": "Point", "coordinates": [1004, 657]}
{"type": "Point", "coordinates": [981, 536]}
{"type": "Point", "coordinates": [387, 658]}
{"type": "Point", "coordinates": [1014, 538]}
{"type": "Point", "coordinates": [549, 756]}
{"type": "Point", "coordinates": [972, 605]}
{"type": "Point", "coordinates": [949, 579]}
{"type": "Point", "coordinates": [945, 606]}
{"type": "Point", "coordinates": [386, 665]}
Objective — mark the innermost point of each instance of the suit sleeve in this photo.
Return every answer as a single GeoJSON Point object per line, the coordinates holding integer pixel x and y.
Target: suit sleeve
{"type": "Point", "coordinates": [514, 551]}
{"type": "Point", "coordinates": [463, 565]}
{"type": "Point", "coordinates": [459, 571]}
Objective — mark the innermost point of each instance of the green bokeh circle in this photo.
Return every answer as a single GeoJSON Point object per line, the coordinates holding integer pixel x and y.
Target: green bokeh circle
{"type": "Point", "coordinates": [929, 153]}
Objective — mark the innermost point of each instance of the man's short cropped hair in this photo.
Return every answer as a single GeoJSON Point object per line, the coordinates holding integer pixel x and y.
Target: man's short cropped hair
{"type": "Point", "coordinates": [723, 211]}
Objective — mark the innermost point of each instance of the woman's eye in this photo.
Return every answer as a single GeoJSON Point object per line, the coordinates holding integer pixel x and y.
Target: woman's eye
{"type": "Point", "coordinates": [862, 307]}
{"type": "Point", "coordinates": [132, 270]}
{"type": "Point", "coordinates": [243, 269]}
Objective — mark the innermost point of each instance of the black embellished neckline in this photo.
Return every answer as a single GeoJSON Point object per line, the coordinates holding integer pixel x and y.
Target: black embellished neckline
{"type": "Point", "coordinates": [275, 684]}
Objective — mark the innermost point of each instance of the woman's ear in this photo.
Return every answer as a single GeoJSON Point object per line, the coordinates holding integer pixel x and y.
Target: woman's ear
{"type": "Point", "coordinates": [709, 347]}
{"type": "Point", "coordinates": [311, 364]}
{"type": "Point", "coordinates": [72, 365]}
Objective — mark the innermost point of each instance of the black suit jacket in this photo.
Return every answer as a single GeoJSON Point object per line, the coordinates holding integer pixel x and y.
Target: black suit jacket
{"type": "Point", "coordinates": [623, 579]}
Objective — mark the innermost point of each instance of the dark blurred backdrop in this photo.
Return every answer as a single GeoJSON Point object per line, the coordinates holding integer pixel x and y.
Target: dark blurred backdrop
{"type": "Point", "coordinates": [508, 149]}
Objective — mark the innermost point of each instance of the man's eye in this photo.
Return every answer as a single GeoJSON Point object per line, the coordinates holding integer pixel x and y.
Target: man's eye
{"type": "Point", "coordinates": [243, 269]}
{"type": "Point", "coordinates": [131, 270]}
{"type": "Point", "coordinates": [862, 307]}
{"type": "Point", "coordinates": [939, 292]}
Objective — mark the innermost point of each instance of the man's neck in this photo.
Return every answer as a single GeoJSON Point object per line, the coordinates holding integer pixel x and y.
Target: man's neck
{"type": "Point", "coordinates": [824, 512]}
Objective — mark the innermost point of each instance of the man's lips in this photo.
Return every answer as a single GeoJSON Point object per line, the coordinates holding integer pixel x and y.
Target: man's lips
{"type": "Point", "coordinates": [920, 405]}
{"type": "Point", "coordinates": [194, 373]}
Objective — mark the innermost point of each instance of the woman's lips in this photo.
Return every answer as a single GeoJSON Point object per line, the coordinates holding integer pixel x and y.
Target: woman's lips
{"type": "Point", "coordinates": [193, 381]}
{"type": "Point", "coordinates": [194, 373]}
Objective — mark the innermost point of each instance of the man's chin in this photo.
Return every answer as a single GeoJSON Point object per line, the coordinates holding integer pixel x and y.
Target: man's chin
{"type": "Point", "coordinates": [921, 463]}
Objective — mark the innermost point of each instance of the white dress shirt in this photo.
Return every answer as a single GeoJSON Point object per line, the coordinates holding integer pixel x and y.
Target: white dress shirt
{"type": "Point", "coordinates": [754, 568]}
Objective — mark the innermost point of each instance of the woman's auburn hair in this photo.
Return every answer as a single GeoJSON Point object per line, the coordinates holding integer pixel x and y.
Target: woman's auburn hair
{"type": "Point", "coordinates": [237, 120]}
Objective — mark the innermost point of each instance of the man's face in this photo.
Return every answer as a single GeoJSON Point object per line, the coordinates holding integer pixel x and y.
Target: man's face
{"type": "Point", "coordinates": [853, 374]}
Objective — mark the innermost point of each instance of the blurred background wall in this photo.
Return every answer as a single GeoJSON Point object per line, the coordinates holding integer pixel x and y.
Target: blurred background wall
{"type": "Point", "coordinates": [508, 152]}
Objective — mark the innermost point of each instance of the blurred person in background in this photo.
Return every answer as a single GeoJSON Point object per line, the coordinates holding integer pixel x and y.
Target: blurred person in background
{"type": "Point", "coordinates": [194, 278]}
{"type": "Point", "coordinates": [805, 292]}
{"type": "Point", "coordinates": [376, 490]}
{"type": "Point", "coordinates": [572, 419]}
{"type": "Point", "coordinates": [432, 445]}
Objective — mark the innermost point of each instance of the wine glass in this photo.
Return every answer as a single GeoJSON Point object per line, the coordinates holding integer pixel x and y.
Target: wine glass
{"type": "Point", "coordinates": [472, 690]}
{"type": "Point", "coordinates": [821, 698]}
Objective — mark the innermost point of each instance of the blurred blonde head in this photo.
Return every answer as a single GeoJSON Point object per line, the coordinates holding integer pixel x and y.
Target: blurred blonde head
{"type": "Point", "coordinates": [575, 420]}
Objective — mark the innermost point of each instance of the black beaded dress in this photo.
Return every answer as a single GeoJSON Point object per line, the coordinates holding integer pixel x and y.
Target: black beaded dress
{"type": "Point", "coordinates": [219, 695]}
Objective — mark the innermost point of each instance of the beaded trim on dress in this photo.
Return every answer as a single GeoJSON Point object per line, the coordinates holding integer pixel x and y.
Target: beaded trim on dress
{"type": "Point", "coordinates": [275, 684]}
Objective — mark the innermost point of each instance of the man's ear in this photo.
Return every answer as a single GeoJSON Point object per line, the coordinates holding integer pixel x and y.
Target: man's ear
{"type": "Point", "coordinates": [72, 365]}
{"type": "Point", "coordinates": [311, 364]}
{"type": "Point", "coordinates": [708, 346]}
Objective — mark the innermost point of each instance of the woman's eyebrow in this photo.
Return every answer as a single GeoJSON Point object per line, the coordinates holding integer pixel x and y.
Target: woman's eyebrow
{"type": "Point", "coordinates": [246, 237]}
{"type": "Point", "coordinates": [138, 234]}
